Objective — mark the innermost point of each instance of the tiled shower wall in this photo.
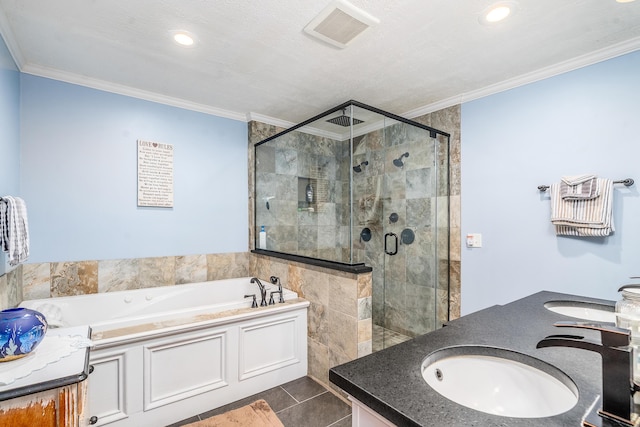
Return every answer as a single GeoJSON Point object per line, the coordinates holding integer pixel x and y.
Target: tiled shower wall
{"type": "Point", "coordinates": [448, 120]}
{"type": "Point", "coordinates": [284, 167]}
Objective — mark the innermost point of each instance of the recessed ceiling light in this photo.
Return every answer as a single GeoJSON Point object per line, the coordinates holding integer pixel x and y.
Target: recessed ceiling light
{"type": "Point", "coordinates": [183, 38]}
{"type": "Point", "coordinates": [497, 12]}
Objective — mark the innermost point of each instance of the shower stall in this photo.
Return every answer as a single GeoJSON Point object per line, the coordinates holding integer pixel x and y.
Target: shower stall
{"type": "Point", "coordinates": [360, 189]}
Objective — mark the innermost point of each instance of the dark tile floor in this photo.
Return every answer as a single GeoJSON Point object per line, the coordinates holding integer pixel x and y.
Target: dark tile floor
{"type": "Point", "coordinates": [299, 403]}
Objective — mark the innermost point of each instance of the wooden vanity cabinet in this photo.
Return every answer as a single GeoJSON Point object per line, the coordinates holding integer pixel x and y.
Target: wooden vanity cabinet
{"type": "Point", "coordinates": [59, 407]}
{"type": "Point", "coordinates": [53, 396]}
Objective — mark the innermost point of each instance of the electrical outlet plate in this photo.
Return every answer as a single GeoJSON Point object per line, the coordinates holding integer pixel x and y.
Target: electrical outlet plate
{"type": "Point", "coordinates": [474, 240]}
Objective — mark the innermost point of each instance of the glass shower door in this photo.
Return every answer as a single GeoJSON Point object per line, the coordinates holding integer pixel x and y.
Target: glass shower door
{"type": "Point", "coordinates": [411, 262]}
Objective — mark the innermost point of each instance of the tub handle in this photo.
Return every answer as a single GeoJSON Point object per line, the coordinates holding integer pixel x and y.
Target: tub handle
{"type": "Point", "coordinates": [93, 420]}
{"type": "Point", "coordinates": [254, 304]}
{"type": "Point", "coordinates": [281, 300]}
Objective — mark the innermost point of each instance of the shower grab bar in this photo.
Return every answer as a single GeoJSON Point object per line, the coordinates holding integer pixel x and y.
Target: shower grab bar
{"type": "Point", "coordinates": [627, 182]}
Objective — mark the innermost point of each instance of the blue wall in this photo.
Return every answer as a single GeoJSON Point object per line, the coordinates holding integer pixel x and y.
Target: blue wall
{"type": "Point", "coordinates": [9, 130]}
{"type": "Point", "coordinates": [79, 176]}
{"type": "Point", "coordinates": [584, 121]}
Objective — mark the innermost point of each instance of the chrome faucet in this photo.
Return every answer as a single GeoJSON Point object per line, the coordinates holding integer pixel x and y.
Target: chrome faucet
{"type": "Point", "coordinates": [617, 365]}
{"type": "Point", "coordinates": [263, 291]}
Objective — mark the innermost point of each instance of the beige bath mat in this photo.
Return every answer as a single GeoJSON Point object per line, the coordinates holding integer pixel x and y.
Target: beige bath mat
{"type": "Point", "coordinates": [257, 414]}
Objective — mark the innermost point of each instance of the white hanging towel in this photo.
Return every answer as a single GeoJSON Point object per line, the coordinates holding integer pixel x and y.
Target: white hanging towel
{"type": "Point", "coordinates": [14, 229]}
{"type": "Point", "coordinates": [583, 217]}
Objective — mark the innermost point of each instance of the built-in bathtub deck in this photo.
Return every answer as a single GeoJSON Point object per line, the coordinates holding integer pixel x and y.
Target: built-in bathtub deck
{"type": "Point", "coordinates": [102, 338]}
{"type": "Point", "coordinates": [162, 354]}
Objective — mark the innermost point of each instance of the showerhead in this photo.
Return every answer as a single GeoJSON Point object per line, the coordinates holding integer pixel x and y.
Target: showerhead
{"type": "Point", "coordinates": [345, 120]}
{"type": "Point", "coordinates": [398, 162]}
{"type": "Point", "coordinates": [358, 168]}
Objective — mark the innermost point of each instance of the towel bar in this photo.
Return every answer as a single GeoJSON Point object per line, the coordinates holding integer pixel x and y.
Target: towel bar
{"type": "Point", "coordinates": [627, 182]}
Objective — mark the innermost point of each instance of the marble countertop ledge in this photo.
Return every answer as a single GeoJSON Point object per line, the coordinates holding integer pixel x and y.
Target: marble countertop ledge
{"type": "Point", "coordinates": [70, 369]}
{"type": "Point", "coordinates": [390, 381]}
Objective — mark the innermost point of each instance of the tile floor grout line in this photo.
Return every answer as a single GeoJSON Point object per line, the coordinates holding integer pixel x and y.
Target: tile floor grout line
{"type": "Point", "coordinates": [299, 402]}
{"type": "Point", "coordinates": [313, 397]}
{"type": "Point", "coordinates": [283, 389]}
{"type": "Point", "coordinates": [337, 421]}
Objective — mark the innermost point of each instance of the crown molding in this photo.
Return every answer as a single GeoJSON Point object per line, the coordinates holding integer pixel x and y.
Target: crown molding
{"type": "Point", "coordinates": [610, 52]}
{"type": "Point", "coordinates": [286, 125]}
{"type": "Point", "coordinates": [251, 116]}
{"type": "Point", "coordinates": [10, 41]}
{"type": "Point", "coordinates": [130, 91]}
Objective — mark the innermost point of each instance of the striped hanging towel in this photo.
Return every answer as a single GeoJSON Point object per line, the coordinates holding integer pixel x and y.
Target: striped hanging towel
{"type": "Point", "coordinates": [579, 187]}
{"type": "Point", "coordinates": [14, 229]}
{"type": "Point", "coordinates": [583, 217]}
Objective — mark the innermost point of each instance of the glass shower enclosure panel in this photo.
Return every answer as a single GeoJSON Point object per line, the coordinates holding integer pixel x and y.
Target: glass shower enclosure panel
{"type": "Point", "coordinates": [356, 185]}
{"type": "Point", "coordinates": [303, 192]}
{"type": "Point", "coordinates": [400, 210]}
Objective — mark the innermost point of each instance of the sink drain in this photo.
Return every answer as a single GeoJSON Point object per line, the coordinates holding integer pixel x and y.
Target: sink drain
{"type": "Point", "coordinates": [439, 375]}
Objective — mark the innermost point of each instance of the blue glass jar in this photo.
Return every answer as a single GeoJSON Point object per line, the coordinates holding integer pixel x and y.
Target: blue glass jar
{"type": "Point", "coordinates": [21, 330]}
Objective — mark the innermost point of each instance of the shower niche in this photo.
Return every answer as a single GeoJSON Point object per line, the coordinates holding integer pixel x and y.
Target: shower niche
{"type": "Point", "coordinates": [308, 194]}
{"type": "Point", "coordinates": [350, 169]}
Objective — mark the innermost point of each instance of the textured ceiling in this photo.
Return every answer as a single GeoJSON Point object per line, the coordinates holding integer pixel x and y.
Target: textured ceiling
{"type": "Point", "coordinates": [252, 56]}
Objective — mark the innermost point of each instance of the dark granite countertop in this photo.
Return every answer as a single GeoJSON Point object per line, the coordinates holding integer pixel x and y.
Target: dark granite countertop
{"type": "Point", "coordinates": [390, 381]}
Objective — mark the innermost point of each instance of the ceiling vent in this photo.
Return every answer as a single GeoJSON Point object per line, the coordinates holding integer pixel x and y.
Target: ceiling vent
{"type": "Point", "coordinates": [340, 23]}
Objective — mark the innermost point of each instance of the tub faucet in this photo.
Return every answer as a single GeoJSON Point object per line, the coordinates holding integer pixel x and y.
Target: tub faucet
{"type": "Point", "coordinates": [263, 291]}
{"type": "Point", "coordinates": [617, 365]}
{"type": "Point", "coordinates": [276, 281]}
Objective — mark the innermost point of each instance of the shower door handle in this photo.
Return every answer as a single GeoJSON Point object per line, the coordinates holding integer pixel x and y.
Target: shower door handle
{"type": "Point", "coordinates": [386, 246]}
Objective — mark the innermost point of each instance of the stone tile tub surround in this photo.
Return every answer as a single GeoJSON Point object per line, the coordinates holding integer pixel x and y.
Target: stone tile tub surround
{"type": "Point", "coordinates": [11, 288]}
{"type": "Point", "coordinates": [339, 318]}
{"type": "Point", "coordinates": [402, 395]}
{"type": "Point", "coordinates": [55, 279]}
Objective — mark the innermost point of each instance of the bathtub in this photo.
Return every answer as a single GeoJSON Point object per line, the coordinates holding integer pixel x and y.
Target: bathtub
{"type": "Point", "coordinates": [160, 355]}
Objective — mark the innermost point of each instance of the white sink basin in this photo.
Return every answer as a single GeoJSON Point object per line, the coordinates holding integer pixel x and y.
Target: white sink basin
{"type": "Point", "coordinates": [499, 382]}
{"type": "Point", "coordinates": [583, 310]}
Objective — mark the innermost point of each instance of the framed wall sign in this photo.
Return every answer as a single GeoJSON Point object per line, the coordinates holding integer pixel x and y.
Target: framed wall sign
{"type": "Point", "coordinates": [155, 174]}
